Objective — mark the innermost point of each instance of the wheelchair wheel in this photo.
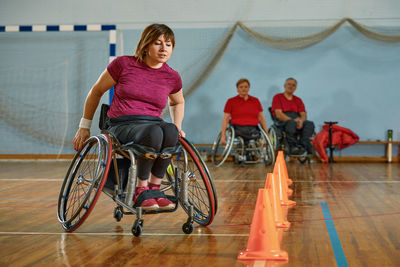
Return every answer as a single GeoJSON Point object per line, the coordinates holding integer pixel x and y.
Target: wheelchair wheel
{"type": "Point", "coordinates": [201, 192]}
{"type": "Point", "coordinates": [206, 171]}
{"type": "Point", "coordinates": [220, 152]}
{"type": "Point", "coordinates": [273, 132]}
{"type": "Point", "coordinates": [84, 182]}
{"type": "Point", "coordinates": [268, 149]}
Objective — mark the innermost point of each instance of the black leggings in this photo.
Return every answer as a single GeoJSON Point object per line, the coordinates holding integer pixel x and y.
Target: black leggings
{"type": "Point", "coordinates": [157, 134]}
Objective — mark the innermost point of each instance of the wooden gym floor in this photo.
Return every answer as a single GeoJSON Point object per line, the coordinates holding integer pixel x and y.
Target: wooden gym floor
{"type": "Point", "coordinates": [347, 214]}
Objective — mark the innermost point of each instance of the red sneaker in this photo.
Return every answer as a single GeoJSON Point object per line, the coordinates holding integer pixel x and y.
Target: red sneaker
{"type": "Point", "coordinates": [148, 204]}
{"type": "Point", "coordinates": [163, 203]}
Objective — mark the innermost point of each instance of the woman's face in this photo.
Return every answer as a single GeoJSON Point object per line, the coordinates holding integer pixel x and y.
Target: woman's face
{"type": "Point", "coordinates": [158, 52]}
{"type": "Point", "coordinates": [243, 89]}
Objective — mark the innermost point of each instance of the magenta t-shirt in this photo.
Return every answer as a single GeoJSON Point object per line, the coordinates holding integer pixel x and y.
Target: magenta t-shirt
{"type": "Point", "coordinates": [141, 90]}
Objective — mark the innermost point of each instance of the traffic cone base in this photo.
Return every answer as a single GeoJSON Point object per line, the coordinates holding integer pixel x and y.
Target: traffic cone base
{"type": "Point", "coordinates": [284, 224]}
{"type": "Point", "coordinates": [278, 255]}
{"type": "Point", "coordinates": [263, 241]}
{"type": "Point", "coordinates": [288, 202]}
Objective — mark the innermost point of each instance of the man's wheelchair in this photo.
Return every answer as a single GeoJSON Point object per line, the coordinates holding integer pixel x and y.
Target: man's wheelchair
{"type": "Point", "coordinates": [257, 149]}
{"type": "Point", "coordinates": [279, 141]}
{"type": "Point", "coordinates": [105, 165]}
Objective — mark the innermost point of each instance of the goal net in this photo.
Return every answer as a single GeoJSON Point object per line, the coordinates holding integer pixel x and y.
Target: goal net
{"type": "Point", "coordinates": [44, 80]}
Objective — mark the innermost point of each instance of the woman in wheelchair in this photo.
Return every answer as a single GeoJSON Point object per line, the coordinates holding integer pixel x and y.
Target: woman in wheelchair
{"type": "Point", "coordinates": [143, 84]}
{"type": "Point", "coordinates": [244, 131]}
{"type": "Point", "coordinates": [244, 112]}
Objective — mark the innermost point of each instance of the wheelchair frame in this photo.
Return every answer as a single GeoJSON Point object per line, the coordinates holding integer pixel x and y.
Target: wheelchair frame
{"type": "Point", "coordinates": [237, 145]}
{"type": "Point", "coordinates": [187, 177]}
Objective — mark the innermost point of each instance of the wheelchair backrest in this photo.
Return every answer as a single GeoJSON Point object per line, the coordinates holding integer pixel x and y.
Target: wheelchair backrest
{"type": "Point", "coordinates": [103, 121]}
{"type": "Point", "coordinates": [274, 119]}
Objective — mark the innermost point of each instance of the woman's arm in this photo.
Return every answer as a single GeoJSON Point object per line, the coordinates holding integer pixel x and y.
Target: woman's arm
{"type": "Point", "coordinates": [225, 122]}
{"type": "Point", "coordinates": [262, 121]}
{"type": "Point", "coordinates": [177, 110]}
{"type": "Point", "coordinates": [103, 83]}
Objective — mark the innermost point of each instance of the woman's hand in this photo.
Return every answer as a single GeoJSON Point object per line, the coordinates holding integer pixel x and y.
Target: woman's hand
{"type": "Point", "coordinates": [299, 123]}
{"type": "Point", "coordinates": [182, 133]}
{"type": "Point", "coordinates": [222, 140]}
{"type": "Point", "coordinates": [80, 137]}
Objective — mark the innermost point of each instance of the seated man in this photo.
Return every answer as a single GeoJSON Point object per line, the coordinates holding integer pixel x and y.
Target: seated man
{"type": "Point", "coordinates": [244, 112]}
{"type": "Point", "coordinates": [292, 118]}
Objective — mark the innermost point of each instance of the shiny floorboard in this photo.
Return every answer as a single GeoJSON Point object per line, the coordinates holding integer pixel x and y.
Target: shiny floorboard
{"type": "Point", "coordinates": [352, 208]}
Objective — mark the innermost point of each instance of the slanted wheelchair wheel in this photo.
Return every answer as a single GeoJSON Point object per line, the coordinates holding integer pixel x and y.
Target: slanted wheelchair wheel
{"type": "Point", "coordinates": [220, 152]}
{"type": "Point", "coordinates": [201, 192]}
{"type": "Point", "coordinates": [206, 171]}
{"type": "Point", "coordinates": [84, 182]}
{"type": "Point", "coordinates": [274, 137]}
{"type": "Point", "coordinates": [268, 149]}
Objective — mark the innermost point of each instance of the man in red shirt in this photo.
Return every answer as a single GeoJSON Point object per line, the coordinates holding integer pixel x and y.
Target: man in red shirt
{"type": "Point", "coordinates": [291, 115]}
{"type": "Point", "coordinates": [244, 112]}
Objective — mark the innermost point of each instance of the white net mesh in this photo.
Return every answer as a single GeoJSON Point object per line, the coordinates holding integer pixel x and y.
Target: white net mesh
{"type": "Point", "coordinates": [45, 78]}
{"type": "Point", "coordinates": [27, 101]}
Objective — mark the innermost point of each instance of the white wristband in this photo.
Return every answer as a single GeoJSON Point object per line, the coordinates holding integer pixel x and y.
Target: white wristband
{"type": "Point", "coordinates": [85, 123]}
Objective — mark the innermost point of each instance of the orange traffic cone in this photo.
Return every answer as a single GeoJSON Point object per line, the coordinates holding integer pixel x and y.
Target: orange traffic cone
{"type": "Point", "coordinates": [274, 195]}
{"type": "Point", "coordinates": [289, 181]}
{"type": "Point", "coordinates": [263, 241]}
{"type": "Point", "coordinates": [283, 194]}
{"type": "Point", "coordinates": [280, 159]}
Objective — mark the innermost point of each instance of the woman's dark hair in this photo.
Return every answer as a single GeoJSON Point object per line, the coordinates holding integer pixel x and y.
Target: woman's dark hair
{"type": "Point", "coordinates": [151, 34]}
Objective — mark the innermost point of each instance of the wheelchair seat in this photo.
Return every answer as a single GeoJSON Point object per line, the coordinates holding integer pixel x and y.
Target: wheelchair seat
{"type": "Point", "coordinates": [247, 134]}
{"type": "Point", "coordinates": [246, 147]}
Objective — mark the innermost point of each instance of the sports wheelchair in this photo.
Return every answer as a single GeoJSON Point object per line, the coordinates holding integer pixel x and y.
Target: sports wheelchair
{"type": "Point", "coordinates": [259, 149]}
{"type": "Point", "coordinates": [105, 165]}
{"type": "Point", "coordinates": [279, 141]}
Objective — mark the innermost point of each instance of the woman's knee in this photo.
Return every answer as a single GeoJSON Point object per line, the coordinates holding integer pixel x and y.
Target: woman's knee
{"type": "Point", "coordinates": [152, 137]}
{"type": "Point", "coordinates": [170, 134]}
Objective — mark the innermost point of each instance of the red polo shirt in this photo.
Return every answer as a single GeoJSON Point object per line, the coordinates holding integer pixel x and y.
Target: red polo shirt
{"type": "Point", "coordinates": [243, 112]}
{"type": "Point", "coordinates": [281, 102]}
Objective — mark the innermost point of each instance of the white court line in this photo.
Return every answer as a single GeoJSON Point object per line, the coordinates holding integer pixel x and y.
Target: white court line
{"type": "Point", "coordinates": [259, 263]}
{"type": "Point", "coordinates": [365, 182]}
{"type": "Point", "coordinates": [120, 234]}
{"type": "Point", "coordinates": [295, 181]}
{"type": "Point", "coordinates": [221, 181]}
{"type": "Point", "coordinates": [31, 179]}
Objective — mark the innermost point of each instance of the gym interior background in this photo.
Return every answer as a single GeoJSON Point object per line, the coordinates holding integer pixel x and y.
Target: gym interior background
{"type": "Point", "coordinates": [346, 76]}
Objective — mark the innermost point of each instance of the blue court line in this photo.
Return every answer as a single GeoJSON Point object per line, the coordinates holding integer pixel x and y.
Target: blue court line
{"type": "Point", "coordinates": [333, 236]}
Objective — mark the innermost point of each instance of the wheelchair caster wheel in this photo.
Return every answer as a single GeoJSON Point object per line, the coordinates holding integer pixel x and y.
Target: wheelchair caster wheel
{"type": "Point", "coordinates": [137, 228]}
{"type": "Point", "coordinates": [187, 228]}
{"type": "Point", "coordinates": [118, 214]}
{"type": "Point", "coordinates": [137, 231]}
{"type": "Point", "coordinates": [303, 160]}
